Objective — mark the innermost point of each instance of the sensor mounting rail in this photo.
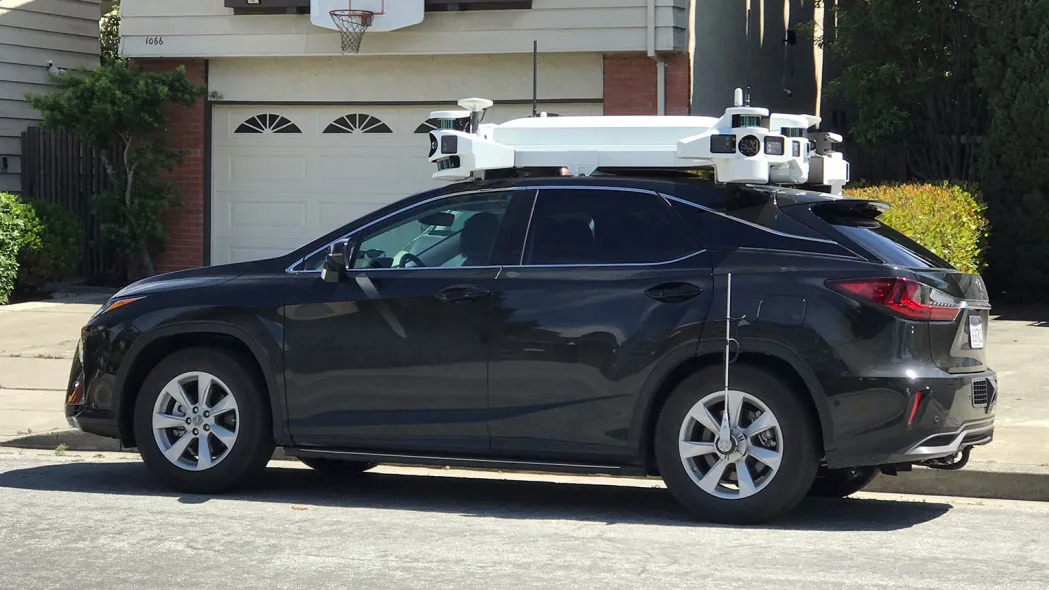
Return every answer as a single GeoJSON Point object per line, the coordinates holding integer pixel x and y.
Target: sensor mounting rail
{"type": "Point", "coordinates": [744, 145]}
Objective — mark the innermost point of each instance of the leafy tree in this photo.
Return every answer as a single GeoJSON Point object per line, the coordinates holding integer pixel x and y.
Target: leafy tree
{"type": "Point", "coordinates": [1013, 60]}
{"type": "Point", "coordinates": [122, 111]}
{"type": "Point", "coordinates": [109, 29]}
{"type": "Point", "coordinates": [909, 69]}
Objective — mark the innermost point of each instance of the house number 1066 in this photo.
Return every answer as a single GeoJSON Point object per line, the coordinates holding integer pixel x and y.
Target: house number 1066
{"type": "Point", "coordinates": [154, 40]}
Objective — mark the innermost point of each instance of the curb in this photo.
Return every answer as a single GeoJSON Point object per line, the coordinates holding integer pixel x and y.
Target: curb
{"type": "Point", "coordinates": [78, 440]}
{"type": "Point", "coordinates": [998, 482]}
{"type": "Point", "coordinates": [978, 480]}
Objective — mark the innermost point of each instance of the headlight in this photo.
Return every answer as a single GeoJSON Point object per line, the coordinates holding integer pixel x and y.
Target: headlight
{"type": "Point", "coordinates": [116, 303]}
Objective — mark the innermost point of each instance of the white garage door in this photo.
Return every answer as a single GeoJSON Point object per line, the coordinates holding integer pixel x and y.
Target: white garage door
{"type": "Point", "coordinates": [283, 175]}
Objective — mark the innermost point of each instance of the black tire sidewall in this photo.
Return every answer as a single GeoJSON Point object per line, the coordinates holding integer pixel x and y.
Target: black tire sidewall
{"type": "Point", "coordinates": [254, 444]}
{"type": "Point", "coordinates": [798, 466]}
{"type": "Point", "coordinates": [839, 483]}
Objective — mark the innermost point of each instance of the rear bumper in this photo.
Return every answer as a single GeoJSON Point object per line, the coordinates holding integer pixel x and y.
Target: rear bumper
{"type": "Point", "coordinates": [914, 420]}
{"type": "Point", "coordinates": [948, 443]}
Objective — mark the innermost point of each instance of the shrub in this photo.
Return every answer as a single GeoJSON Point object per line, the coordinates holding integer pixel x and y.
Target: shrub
{"type": "Point", "coordinates": [947, 219]}
{"type": "Point", "coordinates": [122, 111]}
{"type": "Point", "coordinates": [39, 243]}
{"type": "Point", "coordinates": [14, 228]}
{"type": "Point", "coordinates": [53, 246]}
{"type": "Point", "coordinates": [1012, 63]}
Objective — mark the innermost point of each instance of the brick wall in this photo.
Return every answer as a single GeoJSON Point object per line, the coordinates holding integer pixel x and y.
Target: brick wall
{"type": "Point", "coordinates": [186, 224]}
{"type": "Point", "coordinates": [630, 84]}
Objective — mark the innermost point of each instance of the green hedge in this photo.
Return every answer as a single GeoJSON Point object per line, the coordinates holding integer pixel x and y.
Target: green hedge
{"type": "Point", "coordinates": [53, 248]}
{"type": "Point", "coordinates": [12, 235]}
{"type": "Point", "coordinates": [947, 219]}
{"type": "Point", "coordinates": [39, 243]}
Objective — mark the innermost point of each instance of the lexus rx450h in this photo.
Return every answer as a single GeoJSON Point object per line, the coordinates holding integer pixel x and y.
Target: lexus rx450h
{"type": "Point", "coordinates": [561, 324]}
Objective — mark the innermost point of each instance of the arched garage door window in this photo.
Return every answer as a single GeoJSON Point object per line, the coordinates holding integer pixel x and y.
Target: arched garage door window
{"type": "Point", "coordinates": [357, 123]}
{"type": "Point", "coordinates": [268, 123]}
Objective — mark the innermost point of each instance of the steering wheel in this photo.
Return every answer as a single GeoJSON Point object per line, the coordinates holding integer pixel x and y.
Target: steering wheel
{"type": "Point", "coordinates": [409, 257]}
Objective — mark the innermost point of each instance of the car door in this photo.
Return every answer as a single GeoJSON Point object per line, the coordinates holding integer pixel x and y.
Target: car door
{"type": "Point", "coordinates": [394, 357]}
{"type": "Point", "coordinates": [613, 290]}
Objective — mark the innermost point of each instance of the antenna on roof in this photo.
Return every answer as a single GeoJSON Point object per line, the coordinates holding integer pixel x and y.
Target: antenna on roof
{"type": "Point", "coordinates": [535, 78]}
{"type": "Point", "coordinates": [750, 55]}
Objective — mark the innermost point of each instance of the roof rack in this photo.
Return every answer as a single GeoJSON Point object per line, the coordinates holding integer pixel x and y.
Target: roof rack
{"type": "Point", "coordinates": [745, 145]}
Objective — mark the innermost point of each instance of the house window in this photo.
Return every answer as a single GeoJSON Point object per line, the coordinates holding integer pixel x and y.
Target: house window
{"type": "Point", "coordinates": [357, 123]}
{"type": "Point", "coordinates": [431, 124]}
{"type": "Point", "coordinates": [268, 123]}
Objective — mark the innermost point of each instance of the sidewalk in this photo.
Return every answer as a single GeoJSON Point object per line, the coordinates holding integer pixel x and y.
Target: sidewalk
{"type": "Point", "coordinates": [37, 343]}
{"type": "Point", "coordinates": [38, 340]}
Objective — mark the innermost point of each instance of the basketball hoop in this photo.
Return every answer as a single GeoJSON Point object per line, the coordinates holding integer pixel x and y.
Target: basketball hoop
{"type": "Point", "coordinates": [353, 24]}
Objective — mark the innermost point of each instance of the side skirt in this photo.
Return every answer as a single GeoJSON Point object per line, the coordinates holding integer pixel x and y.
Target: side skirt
{"type": "Point", "coordinates": [466, 462]}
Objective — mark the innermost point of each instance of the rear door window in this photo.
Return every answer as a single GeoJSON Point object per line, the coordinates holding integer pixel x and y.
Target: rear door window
{"type": "Point", "coordinates": [606, 227]}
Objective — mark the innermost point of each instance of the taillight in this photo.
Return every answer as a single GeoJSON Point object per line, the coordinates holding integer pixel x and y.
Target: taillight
{"type": "Point", "coordinates": [904, 297]}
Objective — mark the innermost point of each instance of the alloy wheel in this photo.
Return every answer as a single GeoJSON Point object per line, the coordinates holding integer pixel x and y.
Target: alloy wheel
{"type": "Point", "coordinates": [730, 444]}
{"type": "Point", "coordinates": [195, 421]}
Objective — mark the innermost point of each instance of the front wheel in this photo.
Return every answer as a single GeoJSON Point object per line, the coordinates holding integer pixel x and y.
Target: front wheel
{"type": "Point", "coordinates": [839, 483]}
{"type": "Point", "coordinates": [202, 423]}
{"type": "Point", "coordinates": [745, 455]}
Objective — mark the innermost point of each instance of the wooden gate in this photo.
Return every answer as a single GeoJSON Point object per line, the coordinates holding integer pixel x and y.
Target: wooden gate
{"type": "Point", "coordinates": [59, 169]}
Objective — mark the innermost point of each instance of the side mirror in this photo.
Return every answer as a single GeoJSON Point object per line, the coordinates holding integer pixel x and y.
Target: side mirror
{"type": "Point", "coordinates": [340, 257]}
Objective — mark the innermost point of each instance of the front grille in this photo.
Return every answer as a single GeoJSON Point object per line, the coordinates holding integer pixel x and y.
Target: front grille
{"type": "Point", "coordinates": [981, 393]}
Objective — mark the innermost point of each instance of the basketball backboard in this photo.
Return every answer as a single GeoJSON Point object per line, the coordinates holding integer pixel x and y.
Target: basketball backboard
{"type": "Point", "coordinates": [389, 14]}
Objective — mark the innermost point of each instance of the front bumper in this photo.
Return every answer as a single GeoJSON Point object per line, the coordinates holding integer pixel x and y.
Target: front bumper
{"type": "Point", "coordinates": [89, 400]}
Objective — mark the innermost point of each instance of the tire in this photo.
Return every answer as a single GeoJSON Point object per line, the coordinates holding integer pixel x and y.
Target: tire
{"type": "Point", "coordinates": [840, 483]}
{"type": "Point", "coordinates": [791, 444]}
{"type": "Point", "coordinates": [336, 469]}
{"type": "Point", "coordinates": [246, 416]}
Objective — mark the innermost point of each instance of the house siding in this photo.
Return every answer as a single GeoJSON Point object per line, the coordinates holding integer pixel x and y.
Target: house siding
{"type": "Point", "coordinates": [205, 28]}
{"type": "Point", "coordinates": [33, 32]}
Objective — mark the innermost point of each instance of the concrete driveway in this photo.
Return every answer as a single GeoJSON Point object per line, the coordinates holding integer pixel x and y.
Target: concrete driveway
{"type": "Point", "coordinates": [37, 343]}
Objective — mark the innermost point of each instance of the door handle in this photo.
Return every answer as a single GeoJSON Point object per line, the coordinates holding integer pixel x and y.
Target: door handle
{"type": "Point", "coordinates": [674, 292]}
{"type": "Point", "coordinates": [461, 294]}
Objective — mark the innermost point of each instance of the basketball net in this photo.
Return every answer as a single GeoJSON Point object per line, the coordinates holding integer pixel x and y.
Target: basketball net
{"type": "Point", "coordinates": [352, 24]}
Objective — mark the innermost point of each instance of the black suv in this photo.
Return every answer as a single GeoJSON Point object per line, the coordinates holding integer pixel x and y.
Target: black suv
{"type": "Point", "coordinates": [560, 324]}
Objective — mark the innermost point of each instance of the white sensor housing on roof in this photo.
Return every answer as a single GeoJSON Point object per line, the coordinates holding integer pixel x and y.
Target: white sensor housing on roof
{"type": "Point", "coordinates": [476, 105]}
{"type": "Point", "coordinates": [744, 145]}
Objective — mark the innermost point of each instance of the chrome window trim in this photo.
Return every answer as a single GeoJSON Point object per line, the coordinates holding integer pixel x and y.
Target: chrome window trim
{"type": "Point", "coordinates": [747, 223]}
{"type": "Point", "coordinates": [528, 228]}
{"type": "Point", "coordinates": [291, 269]}
{"type": "Point", "coordinates": [615, 265]}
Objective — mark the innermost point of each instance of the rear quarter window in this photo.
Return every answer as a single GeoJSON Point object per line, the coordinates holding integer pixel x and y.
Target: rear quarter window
{"type": "Point", "coordinates": [885, 243]}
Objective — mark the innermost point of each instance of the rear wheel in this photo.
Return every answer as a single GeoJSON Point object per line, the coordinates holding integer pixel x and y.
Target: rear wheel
{"type": "Point", "coordinates": [335, 468]}
{"type": "Point", "coordinates": [742, 456]}
{"type": "Point", "coordinates": [839, 483]}
{"type": "Point", "coordinates": [202, 423]}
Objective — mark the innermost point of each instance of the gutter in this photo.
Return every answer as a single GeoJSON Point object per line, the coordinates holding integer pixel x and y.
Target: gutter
{"type": "Point", "coordinates": [661, 64]}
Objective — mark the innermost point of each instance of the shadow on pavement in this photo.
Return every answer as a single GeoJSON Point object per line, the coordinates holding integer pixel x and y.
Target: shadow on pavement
{"type": "Point", "coordinates": [484, 498]}
{"type": "Point", "coordinates": [1035, 315]}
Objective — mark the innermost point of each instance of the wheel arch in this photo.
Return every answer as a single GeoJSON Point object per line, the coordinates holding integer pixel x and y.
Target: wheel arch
{"type": "Point", "coordinates": [149, 349]}
{"type": "Point", "coordinates": [786, 365]}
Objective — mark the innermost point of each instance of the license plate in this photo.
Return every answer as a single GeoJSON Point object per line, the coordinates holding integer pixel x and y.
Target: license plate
{"type": "Point", "coordinates": [975, 331]}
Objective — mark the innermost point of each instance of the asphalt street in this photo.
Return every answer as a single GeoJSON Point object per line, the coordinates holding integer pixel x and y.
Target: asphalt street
{"type": "Point", "coordinates": [98, 521]}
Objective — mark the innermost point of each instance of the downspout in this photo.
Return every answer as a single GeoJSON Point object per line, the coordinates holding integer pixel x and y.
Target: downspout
{"type": "Point", "coordinates": [661, 64]}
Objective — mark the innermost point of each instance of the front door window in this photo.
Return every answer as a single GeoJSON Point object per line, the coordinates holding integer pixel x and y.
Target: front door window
{"type": "Point", "coordinates": [456, 232]}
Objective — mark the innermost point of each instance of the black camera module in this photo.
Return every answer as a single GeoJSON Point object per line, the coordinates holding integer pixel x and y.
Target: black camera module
{"type": "Point", "coordinates": [750, 146]}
